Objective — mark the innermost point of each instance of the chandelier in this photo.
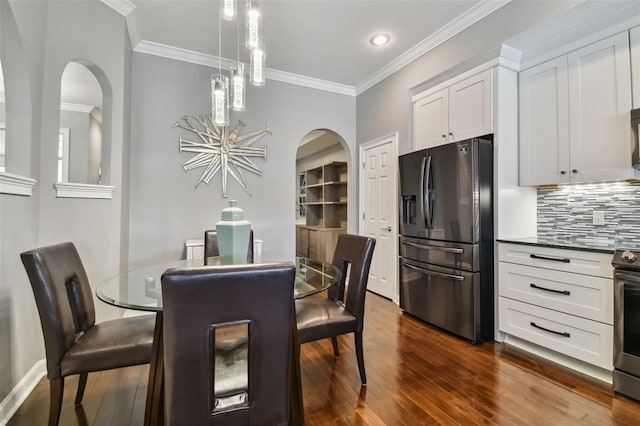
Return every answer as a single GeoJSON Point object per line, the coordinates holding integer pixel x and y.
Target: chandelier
{"type": "Point", "coordinates": [230, 92]}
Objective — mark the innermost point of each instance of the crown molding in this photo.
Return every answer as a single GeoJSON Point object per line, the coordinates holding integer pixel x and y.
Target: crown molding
{"type": "Point", "coordinates": [198, 58]}
{"type": "Point", "coordinates": [461, 23]}
{"type": "Point", "coordinates": [123, 7]}
{"type": "Point", "coordinates": [65, 106]}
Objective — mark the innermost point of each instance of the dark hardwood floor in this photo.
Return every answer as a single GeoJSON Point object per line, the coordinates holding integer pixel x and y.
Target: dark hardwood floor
{"type": "Point", "coordinates": [416, 375]}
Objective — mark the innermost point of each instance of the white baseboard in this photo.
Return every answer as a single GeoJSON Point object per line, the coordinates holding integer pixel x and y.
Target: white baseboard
{"type": "Point", "coordinates": [21, 391]}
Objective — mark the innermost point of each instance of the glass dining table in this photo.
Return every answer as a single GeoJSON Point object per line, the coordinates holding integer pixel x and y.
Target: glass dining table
{"type": "Point", "coordinates": [140, 290]}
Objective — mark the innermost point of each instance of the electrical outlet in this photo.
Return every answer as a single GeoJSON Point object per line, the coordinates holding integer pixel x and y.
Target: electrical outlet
{"type": "Point", "coordinates": [598, 218]}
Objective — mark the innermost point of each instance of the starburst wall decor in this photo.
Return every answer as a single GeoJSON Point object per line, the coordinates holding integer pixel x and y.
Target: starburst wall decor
{"type": "Point", "coordinates": [221, 150]}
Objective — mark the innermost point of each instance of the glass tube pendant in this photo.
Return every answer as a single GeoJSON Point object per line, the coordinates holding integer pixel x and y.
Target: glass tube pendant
{"type": "Point", "coordinates": [256, 67]}
{"type": "Point", "coordinates": [237, 87]}
{"type": "Point", "coordinates": [253, 34]}
{"type": "Point", "coordinates": [229, 10]}
{"type": "Point", "coordinates": [220, 100]}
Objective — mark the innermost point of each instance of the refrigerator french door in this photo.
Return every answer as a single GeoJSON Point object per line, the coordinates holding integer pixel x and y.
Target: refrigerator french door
{"type": "Point", "coordinates": [446, 237]}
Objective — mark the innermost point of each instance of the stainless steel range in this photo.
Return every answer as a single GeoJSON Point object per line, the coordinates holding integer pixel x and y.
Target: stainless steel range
{"type": "Point", "coordinates": [626, 323]}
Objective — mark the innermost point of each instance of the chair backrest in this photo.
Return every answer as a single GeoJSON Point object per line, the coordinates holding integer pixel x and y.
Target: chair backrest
{"type": "Point", "coordinates": [211, 245]}
{"type": "Point", "coordinates": [63, 296]}
{"type": "Point", "coordinates": [356, 252]}
{"type": "Point", "coordinates": [199, 300]}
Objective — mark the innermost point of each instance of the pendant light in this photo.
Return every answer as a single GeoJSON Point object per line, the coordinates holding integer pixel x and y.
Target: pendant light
{"type": "Point", "coordinates": [229, 10]}
{"type": "Point", "coordinates": [220, 89]}
{"type": "Point", "coordinates": [256, 67]}
{"type": "Point", "coordinates": [220, 100]}
{"type": "Point", "coordinates": [237, 79]}
{"type": "Point", "coordinates": [253, 35]}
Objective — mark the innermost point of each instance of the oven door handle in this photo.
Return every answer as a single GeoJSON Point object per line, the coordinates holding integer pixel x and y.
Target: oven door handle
{"type": "Point", "coordinates": [447, 249]}
{"type": "Point", "coordinates": [437, 274]}
{"type": "Point", "coordinates": [632, 278]}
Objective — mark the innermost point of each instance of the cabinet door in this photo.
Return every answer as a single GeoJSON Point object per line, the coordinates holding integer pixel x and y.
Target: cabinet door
{"type": "Point", "coordinates": [634, 36]}
{"type": "Point", "coordinates": [600, 99]}
{"type": "Point", "coordinates": [430, 116]}
{"type": "Point", "coordinates": [302, 241]}
{"type": "Point", "coordinates": [544, 123]}
{"type": "Point", "coordinates": [470, 107]}
{"type": "Point", "coordinates": [317, 245]}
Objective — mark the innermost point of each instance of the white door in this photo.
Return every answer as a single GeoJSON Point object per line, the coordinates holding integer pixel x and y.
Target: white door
{"type": "Point", "coordinates": [378, 212]}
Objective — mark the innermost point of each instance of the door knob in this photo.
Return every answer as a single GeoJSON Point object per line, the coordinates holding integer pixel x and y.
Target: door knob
{"type": "Point", "coordinates": [388, 229]}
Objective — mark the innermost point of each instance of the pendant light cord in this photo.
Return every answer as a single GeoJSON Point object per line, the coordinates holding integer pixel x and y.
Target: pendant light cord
{"type": "Point", "coordinates": [220, 43]}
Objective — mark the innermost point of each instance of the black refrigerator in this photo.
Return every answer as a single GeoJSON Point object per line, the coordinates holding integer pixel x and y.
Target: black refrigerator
{"type": "Point", "coordinates": [446, 237]}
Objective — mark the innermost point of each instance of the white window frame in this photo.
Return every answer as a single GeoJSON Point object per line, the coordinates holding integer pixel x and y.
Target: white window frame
{"type": "Point", "coordinates": [62, 161]}
{"type": "Point", "coordinates": [3, 147]}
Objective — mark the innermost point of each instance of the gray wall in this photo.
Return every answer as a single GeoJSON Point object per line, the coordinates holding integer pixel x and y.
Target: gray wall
{"type": "Point", "coordinates": [38, 39]}
{"type": "Point", "coordinates": [385, 108]}
{"type": "Point", "coordinates": [166, 208]}
{"type": "Point", "coordinates": [78, 124]}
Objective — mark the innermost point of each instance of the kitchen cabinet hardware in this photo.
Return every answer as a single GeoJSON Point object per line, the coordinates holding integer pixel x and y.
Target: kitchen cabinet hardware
{"type": "Point", "coordinates": [563, 172]}
{"type": "Point", "coordinates": [565, 292]}
{"type": "Point", "coordinates": [548, 330]}
{"type": "Point", "coordinates": [554, 259]}
{"type": "Point", "coordinates": [574, 171]}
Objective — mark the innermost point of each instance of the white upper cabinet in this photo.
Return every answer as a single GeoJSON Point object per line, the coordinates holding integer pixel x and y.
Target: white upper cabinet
{"type": "Point", "coordinates": [634, 36]}
{"type": "Point", "coordinates": [574, 116]}
{"type": "Point", "coordinates": [544, 123]}
{"type": "Point", "coordinates": [431, 120]}
{"type": "Point", "coordinates": [461, 110]}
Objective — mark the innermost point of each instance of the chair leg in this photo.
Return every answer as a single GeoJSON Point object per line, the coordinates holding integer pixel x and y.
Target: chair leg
{"type": "Point", "coordinates": [334, 342]}
{"type": "Point", "coordinates": [56, 390]}
{"type": "Point", "coordinates": [360, 356]}
{"type": "Point", "coordinates": [82, 383]}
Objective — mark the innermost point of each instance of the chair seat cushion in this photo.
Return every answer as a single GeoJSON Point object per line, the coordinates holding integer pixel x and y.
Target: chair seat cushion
{"type": "Point", "coordinates": [111, 344]}
{"type": "Point", "coordinates": [319, 318]}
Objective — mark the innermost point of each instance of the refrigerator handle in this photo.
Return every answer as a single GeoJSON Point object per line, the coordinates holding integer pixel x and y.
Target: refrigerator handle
{"type": "Point", "coordinates": [423, 193]}
{"type": "Point", "coordinates": [426, 193]}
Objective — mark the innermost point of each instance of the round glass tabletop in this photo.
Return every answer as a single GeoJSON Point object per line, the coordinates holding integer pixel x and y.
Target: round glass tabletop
{"type": "Point", "coordinates": [140, 289]}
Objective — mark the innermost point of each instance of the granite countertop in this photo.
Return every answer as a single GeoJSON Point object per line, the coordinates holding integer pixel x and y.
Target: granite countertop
{"type": "Point", "coordinates": [576, 243]}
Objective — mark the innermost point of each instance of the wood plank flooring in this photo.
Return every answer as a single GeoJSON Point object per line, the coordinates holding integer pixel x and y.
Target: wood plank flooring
{"type": "Point", "coordinates": [417, 375]}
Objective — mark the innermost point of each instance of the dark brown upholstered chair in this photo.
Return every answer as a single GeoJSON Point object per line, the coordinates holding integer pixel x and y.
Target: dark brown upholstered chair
{"type": "Point", "coordinates": [74, 343]}
{"type": "Point", "coordinates": [211, 245]}
{"type": "Point", "coordinates": [200, 301]}
{"type": "Point", "coordinates": [319, 318]}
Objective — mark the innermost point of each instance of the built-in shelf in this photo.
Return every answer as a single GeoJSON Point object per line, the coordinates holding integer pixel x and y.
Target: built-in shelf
{"type": "Point", "coordinates": [325, 201]}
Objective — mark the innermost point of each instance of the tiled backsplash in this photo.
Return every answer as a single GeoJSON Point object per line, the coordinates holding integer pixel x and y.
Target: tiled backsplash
{"type": "Point", "coordinates": [567, 211]}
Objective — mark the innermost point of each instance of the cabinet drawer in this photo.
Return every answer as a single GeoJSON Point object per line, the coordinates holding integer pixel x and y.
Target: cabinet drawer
{"type": "Point", "coordinates": [582, 295]}
{"type": "Point", "coordinates": [586, 340]}
{"type": "Point", "coordinates": [580, 262]}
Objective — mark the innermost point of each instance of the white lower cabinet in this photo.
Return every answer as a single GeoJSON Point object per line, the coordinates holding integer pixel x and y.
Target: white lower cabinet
{"type": "Point", "coordinates": [558, 299]}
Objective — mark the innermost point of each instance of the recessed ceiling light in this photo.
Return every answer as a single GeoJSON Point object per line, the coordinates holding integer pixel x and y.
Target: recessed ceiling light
{"type": "Point", "coordinates": [380, 39]}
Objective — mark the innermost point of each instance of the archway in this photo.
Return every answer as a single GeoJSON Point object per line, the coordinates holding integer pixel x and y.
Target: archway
{"type": "Point", "coordinates": [321, 193]}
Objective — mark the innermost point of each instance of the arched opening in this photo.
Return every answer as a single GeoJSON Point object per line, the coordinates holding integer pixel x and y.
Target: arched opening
{"type": "Point", "coordinates": [321, 193]}
{"type": "Point", "coordinates": [79, 151]}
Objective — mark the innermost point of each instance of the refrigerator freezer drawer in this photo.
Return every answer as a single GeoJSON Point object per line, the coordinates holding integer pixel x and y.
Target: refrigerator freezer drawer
{"type": "Point", "coordinates": [445, 298]}
{"type": "Point", "coordinates": [451, 255]}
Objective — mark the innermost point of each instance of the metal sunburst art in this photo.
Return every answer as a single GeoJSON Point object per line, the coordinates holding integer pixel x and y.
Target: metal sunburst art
{"type": "Point", "coordinates": [221, 150]}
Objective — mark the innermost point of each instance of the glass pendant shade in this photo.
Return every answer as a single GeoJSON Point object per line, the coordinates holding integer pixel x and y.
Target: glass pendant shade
{"type": "Point", "coordinates": [238, 87]}
{"type": "Point", "coordinates": [229, 10]}
{"type": "Point", "coordinates": [253, 35]}
{"type": "Point", "coordinates": [220, 100]}
{"type": "Point", "coordinates": [256, 67]}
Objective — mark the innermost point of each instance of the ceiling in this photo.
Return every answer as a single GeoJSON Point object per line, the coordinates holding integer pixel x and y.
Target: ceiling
{"type": "Point", "coordinates": [326, 40]}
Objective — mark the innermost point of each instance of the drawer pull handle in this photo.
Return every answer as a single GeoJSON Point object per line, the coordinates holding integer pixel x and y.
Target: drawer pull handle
{"type": "Point", "coordinates": [565, 292]}
{"type": "Point", "coordinates": [559, 333]}
{"type": "Point", "coordinates": [555, 259]}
